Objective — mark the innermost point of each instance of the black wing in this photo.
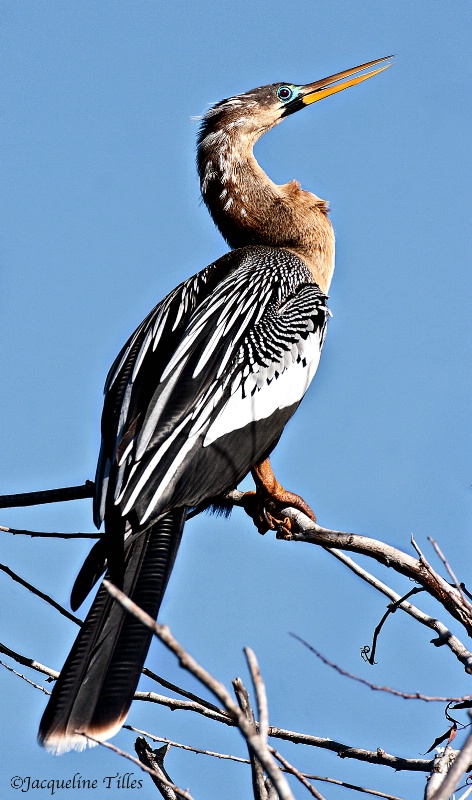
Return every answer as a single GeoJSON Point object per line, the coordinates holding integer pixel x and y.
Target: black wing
{"type": "Point", "coordinates": [194, 416]}
{"type": "Point", "coordinates": [137, 369]}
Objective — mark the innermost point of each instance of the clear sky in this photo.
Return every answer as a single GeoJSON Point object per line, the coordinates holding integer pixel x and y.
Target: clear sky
{"type": "Point", "coordinates": [101, 217]}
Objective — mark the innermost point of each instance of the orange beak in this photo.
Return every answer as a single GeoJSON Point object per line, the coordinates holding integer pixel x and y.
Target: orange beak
{"type": "Point", "coordinates": [313, 92]}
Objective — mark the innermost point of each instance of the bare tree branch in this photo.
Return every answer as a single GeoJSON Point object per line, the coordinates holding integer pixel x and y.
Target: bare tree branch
{"type": "Point", "coordinates": [197, 750]}
{"type": "Point", "coordinates": [39, 593]}
{"type": "Point", "coordinates": [294, 771]}
{"type": "Point", "coordinates": [29, 662]}
{"type": "Point", "coordinates": [391, 608]}
{"type": "Point", "coordinates": [158, 775]}
{"type": "Point", "coordinates": [184, 705]}
{"type": "Point", "coordinates": [359, 754]}
{"type": "Point", "coordinates": [373, 686]}
{"type": "Point", "coordinates": [260, 691]}
{"type": "Point", "coordinates": [229, 757]}
{"type": "Point", "coordinates": [47, 496]}
{"type": "Point", "coordinates": [155, 760]}
{"type": "Point", "coordinates": [442, 763]}
{"type": "Point", "coordinates": [261, 791]}
{"type": "Point", "coordinates": [389, 556]}
{"type": "Point", "coordinates": [449, 570]}
{"type": "Point", "coordinates": [455, 769]}
{"type": "Point", "coordinates": [45, 535]}
{"type": "Point", "coordinates": [342, 750]}
{"type": "Point", "coordinates": [173, 688]}
{"type": "Point", "coordinates": [187, 662]}
{"type": "Point", "coordinates": [303, 529]}
{"type": "Point", "coordinates": [445, 636]}
{"type": "Point", "coordinates": [24, 678]}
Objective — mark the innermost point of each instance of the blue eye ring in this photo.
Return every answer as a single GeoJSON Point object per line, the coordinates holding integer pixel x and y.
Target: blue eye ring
{"type": "Point", "coordinates": [284, 93]}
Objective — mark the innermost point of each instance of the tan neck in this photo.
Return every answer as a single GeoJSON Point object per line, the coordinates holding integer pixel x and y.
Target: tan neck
{"type": "Point", "coordinates": [249, 208]}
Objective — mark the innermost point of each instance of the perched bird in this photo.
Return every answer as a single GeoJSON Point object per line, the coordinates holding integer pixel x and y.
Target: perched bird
{"type": "Point", "coordinates": [199, 396]}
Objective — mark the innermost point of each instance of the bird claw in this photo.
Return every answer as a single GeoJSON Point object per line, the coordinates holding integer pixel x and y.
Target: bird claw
{"type": "Point", "coordinates": [254, 505]}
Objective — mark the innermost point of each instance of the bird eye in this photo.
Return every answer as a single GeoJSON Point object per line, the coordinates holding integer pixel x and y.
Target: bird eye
{"type": "Point", "coordinates": [284, 93]}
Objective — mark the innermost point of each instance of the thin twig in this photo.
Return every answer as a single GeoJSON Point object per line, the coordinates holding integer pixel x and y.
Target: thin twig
{"type": "Point", "coordinates": [24, 678]}
{"type": "Point", "coordinates": [39, 593]}
{"type": "Point", "coordinates": [47, 496]}
{"type": "Point", "coordinates": [173, 688]}
{"type": "Point", "coordinates": [260, 790]}
{"type": "Point", "coordinates": [449, 570]}
{"type": "Point", "coordinates": [50, 535]}
{"type": "Point", "coordinates": [260, 691]}
{"type": "Point", "coordinates": [184, 705]}
{"type": "Point", "coordinates": [294, 771]}
{"type": "Point", "coordinates": [373, 686]}
{"type": "Point", "coordinates": [29, 662]}
{"type": "Point", "coordinates": [198, 751]}
{"type": "Point", "coordinates": [181, 792]}
{"type": "Point", "coordinates": [390, 610]}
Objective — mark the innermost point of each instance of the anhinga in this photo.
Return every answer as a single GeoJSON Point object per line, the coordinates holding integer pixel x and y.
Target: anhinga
{"type": "Point", "coordinates": [199, 396]}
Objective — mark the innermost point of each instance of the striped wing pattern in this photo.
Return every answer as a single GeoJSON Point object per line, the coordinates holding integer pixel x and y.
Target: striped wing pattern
{"type": "Point", "coordinates": [204, 387]}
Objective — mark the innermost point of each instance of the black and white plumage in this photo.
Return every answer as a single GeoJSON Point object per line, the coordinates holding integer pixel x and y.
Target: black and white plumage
{"type": "Point", "coordinates": [197, 398]}
{"type": "Point", "coordinates": [205, 390]}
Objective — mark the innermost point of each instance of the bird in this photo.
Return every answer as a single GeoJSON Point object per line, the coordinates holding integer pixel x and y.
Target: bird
{"type": "Point", "coordinates": [199, 396]}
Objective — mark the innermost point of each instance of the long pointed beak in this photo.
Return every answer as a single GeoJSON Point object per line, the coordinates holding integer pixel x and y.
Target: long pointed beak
{"type": "Point", "coordinates": [313, 92]}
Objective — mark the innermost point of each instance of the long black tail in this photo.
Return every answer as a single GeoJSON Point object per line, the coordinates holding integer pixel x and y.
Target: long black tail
{"type": "Point", "coordinates": [98, 680]}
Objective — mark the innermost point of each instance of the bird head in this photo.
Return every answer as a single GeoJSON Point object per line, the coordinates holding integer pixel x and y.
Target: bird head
{"type": "Point", "coordinates": [248, 116]}
{"type": "Point", "coordinates": [246, 206]}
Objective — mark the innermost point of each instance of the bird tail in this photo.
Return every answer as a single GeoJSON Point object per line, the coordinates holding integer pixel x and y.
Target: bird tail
{"type": "Point", "coordinates": [97, 683]}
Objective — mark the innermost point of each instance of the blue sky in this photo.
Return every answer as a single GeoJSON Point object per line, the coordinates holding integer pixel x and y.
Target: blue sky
{"type": "Point", "coordinates": [101, 217]}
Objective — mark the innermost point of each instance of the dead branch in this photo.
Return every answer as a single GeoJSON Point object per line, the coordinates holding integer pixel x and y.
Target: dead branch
{"type": "Point", "coordinates": [229, 757]}
{"type": "Point", "coordinates": [48, 496]}
{"type": "Point", "coordinates": [260, 790]}
{"type": "Point", "coordinates": [158, 775]}
{"type": "Point", "coordinates": [380, 756]}
{"type": "Point", "coordinates": [184, 705]}
{"type": "Point", "coordinates": [155, 760]}
{"type": "Point", "coordinates": [304, 530]}
{"type": "Point", "coordinates": [442, 763]}
{"type": "Point", "coordinates": [173, 688]}
{"type": "Point", "coordinates": [24, 678]}
{"type": "Point", "coordinates": [457, 764]}
{"type": "Point", "coordinates": [391, 608]}
{"type": "Point", "coordinates": [260, 691]}
{"type": "Point", "coordinates": [29, 662]}
{"type": "Point", "coordinates": [39, 593]}
{"type": "Point", "coordinates": [449, 570]}
{"type": "Point", "coordinates": [294, 771]}
{"type": "Point", "coordinates": [373, 686]}
{"type": "Point", "coordinates": [445, 636]}
{"type": "Point", "coordinates": [45, 535]}
{"type": "Point", "coordinates": [187, 662]}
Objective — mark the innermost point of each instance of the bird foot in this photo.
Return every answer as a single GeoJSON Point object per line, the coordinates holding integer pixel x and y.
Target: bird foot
{"type": "Point", "coordinates": [262, 504]}
{"type": "Point", "coordinates": [256, 505]}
